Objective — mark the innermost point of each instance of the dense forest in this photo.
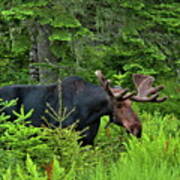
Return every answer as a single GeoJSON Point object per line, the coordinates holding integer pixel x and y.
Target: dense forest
{"type": "Point", "coordinates": [44, 41]}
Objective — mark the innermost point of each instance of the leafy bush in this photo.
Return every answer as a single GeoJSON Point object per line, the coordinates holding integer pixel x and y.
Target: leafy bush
{"type": "Point", "coordinates": [42, 144]}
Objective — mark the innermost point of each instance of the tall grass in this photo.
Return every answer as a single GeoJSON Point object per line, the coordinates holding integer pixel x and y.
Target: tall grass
{"type": "Point", "coordinates": [116, 155]}
{"type": "Point", "coordinates": [156, 156]}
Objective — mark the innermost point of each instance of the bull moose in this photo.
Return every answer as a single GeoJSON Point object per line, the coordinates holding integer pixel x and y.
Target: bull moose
{"type": "Point", "coordinates": [89, 102]}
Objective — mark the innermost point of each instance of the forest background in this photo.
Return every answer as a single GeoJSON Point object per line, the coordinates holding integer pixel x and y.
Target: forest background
{"type": "Point", "coordinates": [42, 41]}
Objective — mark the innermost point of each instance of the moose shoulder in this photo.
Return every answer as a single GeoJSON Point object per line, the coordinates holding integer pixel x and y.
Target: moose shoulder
{"type": "Point", "coordinates": [88, 102]}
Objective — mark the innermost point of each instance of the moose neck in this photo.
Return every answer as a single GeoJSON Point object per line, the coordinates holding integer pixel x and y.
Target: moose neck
{"type": "Point", "coordinates": [90, 103]}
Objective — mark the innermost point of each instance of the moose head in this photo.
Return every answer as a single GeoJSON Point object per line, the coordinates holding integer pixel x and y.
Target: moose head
{"type": "Point", "coordinates": [121, 100]}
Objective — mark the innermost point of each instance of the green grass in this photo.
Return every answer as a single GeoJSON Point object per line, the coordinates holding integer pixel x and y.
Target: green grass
{"type": "Point", "coordinates": [116, 155]}
{"type": "Point", "coordinates": [156, 156]}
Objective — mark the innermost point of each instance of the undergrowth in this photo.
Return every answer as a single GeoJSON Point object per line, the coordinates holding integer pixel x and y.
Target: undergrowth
{"type": "Point", "coordinates": [31, 153]}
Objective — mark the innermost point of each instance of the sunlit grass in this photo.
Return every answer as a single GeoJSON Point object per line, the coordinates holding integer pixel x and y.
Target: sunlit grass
{"type": "Point", "coordinates": [156, 156]}
{"type": "Point", "coordinates": [116, 155]}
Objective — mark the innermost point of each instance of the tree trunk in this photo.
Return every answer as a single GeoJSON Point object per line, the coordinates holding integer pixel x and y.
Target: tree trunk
{"type": "Point", "coordinates": [47, 75]}
{"type": "Point", "coordinates": [40, 53]}
{"type": "Point", "coordinates": [33, 58]}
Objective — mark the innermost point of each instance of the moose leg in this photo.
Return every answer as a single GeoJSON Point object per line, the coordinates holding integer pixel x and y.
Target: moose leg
{"type": "Point", "coordinates": [90, 134]}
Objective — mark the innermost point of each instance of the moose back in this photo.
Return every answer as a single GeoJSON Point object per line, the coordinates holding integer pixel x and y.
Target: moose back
{"type": "Point", "coordinates": [88, 102]}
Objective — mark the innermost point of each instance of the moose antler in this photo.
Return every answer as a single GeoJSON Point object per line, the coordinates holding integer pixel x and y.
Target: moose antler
{"type": "Point", "coordinates": [143, 84]}
{"type": "Point", "coordinates": [121, 94]}
{"type": "Point", "coordinates": [104, 82]}
{"type": "Point", "coordinates": [144, 88]}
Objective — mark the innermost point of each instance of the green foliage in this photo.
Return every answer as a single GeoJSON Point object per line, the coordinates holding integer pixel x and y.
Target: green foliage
{"type": "Point", "coordinates": [42, 144]}
{"type": "Point", "coordinates": [116, 36]}
{"type": "Point", "coordinates": [121, 37]}
{"type": "Point", "coordinates": [155, 155]}
{"type": "Point", "coordinates": [170, 105]}
{"type": "Point", "coordinates": [29, 172]}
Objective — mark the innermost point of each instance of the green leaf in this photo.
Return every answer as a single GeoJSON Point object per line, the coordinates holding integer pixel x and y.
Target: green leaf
{"type": "Point", "coordinates": [65, 20]}
{"type": "Point", "coordinates": [22, 115]}
{"type": "Point", "coordinates": [31, 167]}
{"type": "Point", "coordinates": [57, 170]}
{"type": "Point", "coordinates": [8, 174]}
{"type": "Point", "coordinates": [61, 35]}
{"type": "Point", "coordinates": [20, 172]}
{"type": "Point", "coordinates": [128, 67]}
{"type": "Point", "coordinates": [20, 44]}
